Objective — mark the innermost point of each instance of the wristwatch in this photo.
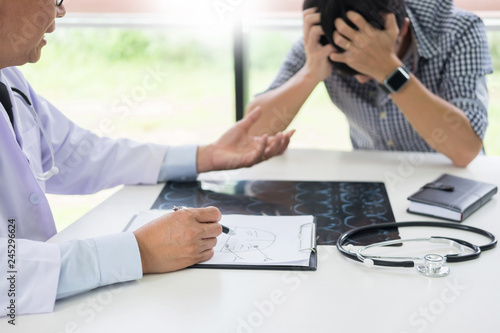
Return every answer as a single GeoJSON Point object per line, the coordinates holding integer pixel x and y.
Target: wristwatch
{"type": "Point", "coordinates": [395, 81]}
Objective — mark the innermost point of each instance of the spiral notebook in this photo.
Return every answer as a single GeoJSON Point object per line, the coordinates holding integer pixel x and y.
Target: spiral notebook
{"type": "Point", "coordinates": [259, 242]}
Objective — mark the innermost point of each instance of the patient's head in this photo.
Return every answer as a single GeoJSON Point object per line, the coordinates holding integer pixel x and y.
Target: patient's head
{"type": "Point", "coordinates": [373, 12]}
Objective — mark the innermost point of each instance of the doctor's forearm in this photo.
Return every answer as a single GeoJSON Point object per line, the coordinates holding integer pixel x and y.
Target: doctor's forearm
{"type": "Point", "coordinates": [92, 263]}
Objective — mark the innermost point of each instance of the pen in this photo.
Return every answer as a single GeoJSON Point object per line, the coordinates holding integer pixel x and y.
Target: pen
{"type": "Point", "coordinates": [225, 229]}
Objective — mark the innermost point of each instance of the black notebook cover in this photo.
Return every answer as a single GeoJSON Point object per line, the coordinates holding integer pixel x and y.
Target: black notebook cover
{"type": "Point", "coordinates": [451, 197]}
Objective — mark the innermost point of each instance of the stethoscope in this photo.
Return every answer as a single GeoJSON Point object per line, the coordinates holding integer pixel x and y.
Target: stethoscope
{"type": "Point", "coordinates": [433, 264]}
{"type": "Point", "coordinates": [44, 176]}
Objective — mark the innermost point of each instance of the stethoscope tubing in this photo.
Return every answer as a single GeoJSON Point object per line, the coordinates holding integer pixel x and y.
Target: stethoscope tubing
{"type": "Point", "coordinates": [450, 258]}
{"type": "Point", "coordinates": [53, 170]}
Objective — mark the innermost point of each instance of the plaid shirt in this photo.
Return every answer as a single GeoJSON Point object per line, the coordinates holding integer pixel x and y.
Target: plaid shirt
{"type": "Point", "coordinates": [450, 56]}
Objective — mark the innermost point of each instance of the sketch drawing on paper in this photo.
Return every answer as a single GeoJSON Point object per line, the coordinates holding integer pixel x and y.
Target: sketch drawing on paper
{"type": "Point", "coordinates": [248, 240]}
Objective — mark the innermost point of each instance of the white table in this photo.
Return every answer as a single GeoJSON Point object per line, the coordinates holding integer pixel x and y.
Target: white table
{"type": "Point", "coordinates": [341, 296]}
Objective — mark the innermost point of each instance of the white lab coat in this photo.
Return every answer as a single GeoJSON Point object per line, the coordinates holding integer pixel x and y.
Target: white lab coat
{"type": "Point", "coordinates": [87, 164]}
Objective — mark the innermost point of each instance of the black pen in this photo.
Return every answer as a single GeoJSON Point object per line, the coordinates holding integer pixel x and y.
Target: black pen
{"type": "Point", "coordinates": [225, 229]}
{"type": "Point", "coordinates": [228, 231]}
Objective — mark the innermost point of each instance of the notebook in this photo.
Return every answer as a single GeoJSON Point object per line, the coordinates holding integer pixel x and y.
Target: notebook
{"type": "Point", "coordinates": [451, 197]}
{"type": "Point", "coordinates": [258, 242]}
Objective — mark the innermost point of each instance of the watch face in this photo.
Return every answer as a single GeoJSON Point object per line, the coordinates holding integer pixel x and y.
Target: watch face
{"type": "Point", "coordinates": [398, 79]}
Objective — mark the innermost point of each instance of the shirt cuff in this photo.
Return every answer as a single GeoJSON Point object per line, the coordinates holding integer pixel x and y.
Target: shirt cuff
{"type": "Point", "coordinates": [119, 258]}
{"type": "Point", "coordinates": [179, 164]}
{"type": "Point", "coordinates": [88, 264]}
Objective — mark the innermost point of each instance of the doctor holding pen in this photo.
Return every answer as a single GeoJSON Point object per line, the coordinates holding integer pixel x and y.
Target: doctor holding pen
{"type": "Point", "coordinates": [41, 151]}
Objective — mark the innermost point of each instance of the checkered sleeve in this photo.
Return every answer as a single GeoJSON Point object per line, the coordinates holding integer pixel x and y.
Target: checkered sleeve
{"type": "Point", "coordinates": [469, 61]}
{"type": "Point", "coordinates": [295, 60]}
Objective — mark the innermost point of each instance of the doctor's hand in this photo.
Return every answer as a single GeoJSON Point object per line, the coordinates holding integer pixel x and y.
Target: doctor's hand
{"type": "Point", "coordinates": [238, 149]}
{"type": "Point", "coordinates": [179, 239]}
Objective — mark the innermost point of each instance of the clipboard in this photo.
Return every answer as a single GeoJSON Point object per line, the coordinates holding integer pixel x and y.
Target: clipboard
{"type": "Point", "coordinates": [260, 242]}
{"type": "Point", "coordinates": [307, 244]}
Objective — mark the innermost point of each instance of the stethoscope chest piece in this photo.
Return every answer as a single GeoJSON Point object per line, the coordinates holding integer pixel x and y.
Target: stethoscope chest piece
{"type": "Point", "coordinates": [434, 266]}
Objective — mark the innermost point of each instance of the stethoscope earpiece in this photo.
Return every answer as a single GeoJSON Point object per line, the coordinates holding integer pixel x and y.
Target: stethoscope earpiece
{"type": "Point", "coordinates": [48, 174]}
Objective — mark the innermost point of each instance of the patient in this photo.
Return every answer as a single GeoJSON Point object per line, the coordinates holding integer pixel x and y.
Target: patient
{"type": "Point", "coordinates": [408, 75]}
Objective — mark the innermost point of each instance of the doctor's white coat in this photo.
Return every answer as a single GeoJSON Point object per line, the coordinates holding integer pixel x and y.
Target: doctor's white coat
{"type": "Point", "coordinates": [87, 164]}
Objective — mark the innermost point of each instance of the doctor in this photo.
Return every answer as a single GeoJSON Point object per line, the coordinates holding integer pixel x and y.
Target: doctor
{"type": "Point", "coordinates": [43, 151]}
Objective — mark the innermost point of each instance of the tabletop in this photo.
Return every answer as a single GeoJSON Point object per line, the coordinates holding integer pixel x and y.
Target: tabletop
{"type": "Point", "coordinates": [342, 295]}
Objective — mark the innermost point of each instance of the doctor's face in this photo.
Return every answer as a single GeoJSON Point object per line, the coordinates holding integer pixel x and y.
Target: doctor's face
{"type": "Point", "coordinates": [23, 25]}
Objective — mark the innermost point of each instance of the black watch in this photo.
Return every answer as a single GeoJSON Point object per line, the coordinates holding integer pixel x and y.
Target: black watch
{"type": "Point", "coordinates": [395, 81]}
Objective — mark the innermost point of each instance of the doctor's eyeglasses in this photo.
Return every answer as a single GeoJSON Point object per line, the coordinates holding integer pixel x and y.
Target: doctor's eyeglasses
{"type": "Point", "coordinates": [59, 2]}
